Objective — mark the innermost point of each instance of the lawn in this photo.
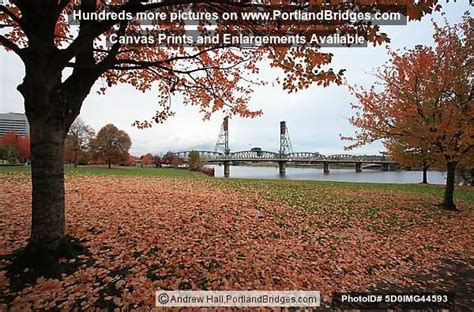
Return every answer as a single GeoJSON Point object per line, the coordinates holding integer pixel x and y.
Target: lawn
{"type": "Point", "coordinates": [122, 171]}
{"type": "Point", "coordinates": [161, 231]}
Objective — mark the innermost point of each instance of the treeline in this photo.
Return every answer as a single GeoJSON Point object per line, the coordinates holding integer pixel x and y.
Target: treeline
{"type": "Point", "coordinates": [169, 159]}
{"type": "Point", "coordinates": [109, 146]}
{"type": "Point", "coordinates": [83, 146]}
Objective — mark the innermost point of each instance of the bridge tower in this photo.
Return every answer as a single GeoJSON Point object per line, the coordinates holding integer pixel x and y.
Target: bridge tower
{"type": "Point", "coordinates": [222, 144]}
{"type": "Point", "coordinates": [285, 142]}
{"type": "Point", "coordinates": [285, 147]}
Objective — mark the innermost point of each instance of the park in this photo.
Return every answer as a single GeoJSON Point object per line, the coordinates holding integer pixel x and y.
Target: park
{"type": "Point", "coordinates": [143, 234]}
{"type": "Point", "coordinates": [371, 197]}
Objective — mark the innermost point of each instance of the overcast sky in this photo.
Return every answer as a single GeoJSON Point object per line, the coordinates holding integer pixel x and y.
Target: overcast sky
{"type": "Point", "coordinates": [315, 117]}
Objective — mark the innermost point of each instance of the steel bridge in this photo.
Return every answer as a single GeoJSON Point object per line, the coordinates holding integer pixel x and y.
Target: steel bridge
{"type": "Point", "coordinates": [222, 155]}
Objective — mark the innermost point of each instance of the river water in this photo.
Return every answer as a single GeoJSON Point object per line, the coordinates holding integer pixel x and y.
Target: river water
{"type": "Point", "coordinates": [342, 175]}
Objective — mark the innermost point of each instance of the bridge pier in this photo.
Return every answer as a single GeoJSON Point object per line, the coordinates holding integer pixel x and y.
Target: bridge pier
{"type": "Point", "coordinates": [358, 167]}
{"type": "Point", "coordinates": [326, 168]}
{"type": "Point", "coordinates": [282, 168]}
{"type": "Point", "coordinates": [226, 169]}
{"type": "Point", "coordinates": [385, 167]}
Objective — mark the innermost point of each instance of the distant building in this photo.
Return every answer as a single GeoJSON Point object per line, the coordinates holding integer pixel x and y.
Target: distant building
{"type": "Point", "coordinates": [14, 122]}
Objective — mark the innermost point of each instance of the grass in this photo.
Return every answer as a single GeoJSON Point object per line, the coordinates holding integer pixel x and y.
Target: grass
{"type": "Point", "coordinates": [294, 187]}
{"type": "Point", "coordinates": [121, 171]}
{"type": "Point", "coordinates": [299, 187]}
{"type": "Point", "coordinates": [379, 208]}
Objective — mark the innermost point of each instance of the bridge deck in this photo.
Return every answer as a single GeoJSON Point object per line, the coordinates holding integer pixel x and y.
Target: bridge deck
{"type": "Point", "coordinates": [298, 157]}
{"type": "Point", "coordinates": [315, 161]}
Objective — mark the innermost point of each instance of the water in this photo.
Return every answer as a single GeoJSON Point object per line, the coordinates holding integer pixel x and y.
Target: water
{"type": "Point", "coordinates": [342, 175]}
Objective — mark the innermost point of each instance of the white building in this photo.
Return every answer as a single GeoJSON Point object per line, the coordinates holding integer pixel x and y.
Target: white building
{"type": "Point", "coordinates": [14, 122]}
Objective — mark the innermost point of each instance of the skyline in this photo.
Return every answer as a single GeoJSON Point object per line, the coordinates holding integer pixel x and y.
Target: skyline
{"type": "Point", "coordinates": [315, 117]}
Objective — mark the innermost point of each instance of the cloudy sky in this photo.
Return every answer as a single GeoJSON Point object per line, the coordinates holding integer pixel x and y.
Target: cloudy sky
{"type": "Point", "coordinates": [315, 117]}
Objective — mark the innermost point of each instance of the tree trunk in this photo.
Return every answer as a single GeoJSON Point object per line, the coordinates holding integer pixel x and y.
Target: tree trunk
{"type": "Point", "coordinates": [110, 164]}
{"type": "Point", "coordinates": [51, 105]}
{"type": "Point", "coordinates": [47, 172]}
{"type": "Point", "coordinates": [448, 202]}
{"type": "Point", "coordinates": [75, 158]}
{"type": "Point", "coordinates": [49, 118]}
{"type": "Point", "coordinates": [425, 174]}
{"type": "Point", "coordinates": [472, 176]}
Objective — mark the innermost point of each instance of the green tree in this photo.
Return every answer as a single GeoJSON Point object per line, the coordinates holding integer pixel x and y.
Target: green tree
{"type": "Point", "coordinates": [194, 161]}
{"type": "Point", "coordinates": [9, 154]}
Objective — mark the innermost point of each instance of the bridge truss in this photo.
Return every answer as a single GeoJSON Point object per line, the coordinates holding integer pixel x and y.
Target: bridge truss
{"type": "Point", "coordinates": [211, 156]}
{"type": "Point", "coordinates": [222, 152]}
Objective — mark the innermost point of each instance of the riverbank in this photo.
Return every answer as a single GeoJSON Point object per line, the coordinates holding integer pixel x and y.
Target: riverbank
{"type": "Point", "coordinates": [148, 232]}
{"type": "Point", "coordinates": [463, 193]}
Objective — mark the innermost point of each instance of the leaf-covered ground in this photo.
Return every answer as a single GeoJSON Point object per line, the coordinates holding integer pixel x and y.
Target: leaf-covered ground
{"type": "Point", "coordinates": [149, 233]}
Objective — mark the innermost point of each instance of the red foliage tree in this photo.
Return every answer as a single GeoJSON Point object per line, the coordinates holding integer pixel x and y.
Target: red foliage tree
{"type": "Point", "coordinates": [147, 159]}
{"type": "Point", "coordinates": [111, 145]}
{"type": "Point", "coordinates": [23, 147]}
{"type": "Point", "coordinates": [425, 105]}
{"type": "Point", "coordinates": [9, 139]}
{"type": "Point", "coordinates": [176, 161]}
{"type": "Point", "coordinates": [132, 160]}
{"type": "Point", "coordinates": [19, 142]}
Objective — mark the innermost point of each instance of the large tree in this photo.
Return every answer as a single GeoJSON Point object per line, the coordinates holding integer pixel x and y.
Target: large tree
{"type": "Point", "coordinates": [425, 102]}
{"type": "Point", "coordinates": [78, 141]}
{"type": "Point", "coordinates": [63, 62]}
{"type": "Point", "coordinates": [111, 145]}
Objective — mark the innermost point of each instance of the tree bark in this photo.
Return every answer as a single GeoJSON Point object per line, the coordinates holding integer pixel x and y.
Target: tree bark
{"type": "Point", "coordinates": [47, 171]}
{"type": "Point", "coordinates": [75, 158]}
{"type": "Point", "coordinates": [448, 202]}
{"type": "Point", "coordinates": [425, 174]}
{"type": "Point", "coordinates": [110, 164]}
{"type": "Point", "coordinates": [51, 105]}
{"type": "Point", "coordinates": [47, 111]}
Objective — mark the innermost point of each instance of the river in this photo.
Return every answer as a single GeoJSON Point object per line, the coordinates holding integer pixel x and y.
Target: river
{"type": "Point", "coordinates": [342, 175]}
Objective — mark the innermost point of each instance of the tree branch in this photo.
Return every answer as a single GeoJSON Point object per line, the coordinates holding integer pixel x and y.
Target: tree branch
{"type": "Point", "coordinates": [10, 45]}
{"type": "Point", "coordinates": [10, 14]}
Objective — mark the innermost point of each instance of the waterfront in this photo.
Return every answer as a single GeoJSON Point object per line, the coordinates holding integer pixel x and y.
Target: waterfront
{"type": "Point", "coordinates": [341, 175]}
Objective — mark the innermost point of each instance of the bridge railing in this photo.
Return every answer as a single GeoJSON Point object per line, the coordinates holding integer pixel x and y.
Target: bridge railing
{"type": "Point", "coordinates": [267, 155]}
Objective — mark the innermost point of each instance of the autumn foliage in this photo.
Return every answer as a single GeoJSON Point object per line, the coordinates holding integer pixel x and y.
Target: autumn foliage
{"type": "Point", "coordinates": [147, 159]}
{"type": "Point", "coordinates": [111, 145]}
{"type": "Point", "coordinates": [20, 143]}
{"type": "Point", "coordinates": [149, 233]}
{"type": "Point", "coordinates": [423, 108]}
